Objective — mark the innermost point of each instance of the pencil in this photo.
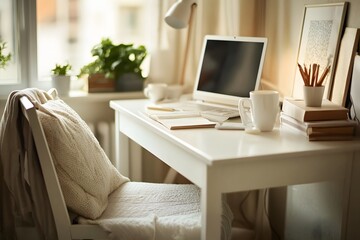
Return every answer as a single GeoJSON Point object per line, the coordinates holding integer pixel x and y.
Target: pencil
{"type": "Point", "coordinates": [304, 74]}
{"type": "Point", "coordinates": [307, 75]}
{"type": "Point", "coordinates": [311, 70]}
{"type": "Point", "coordinates": [161, 108]}
{"type": "Point", "coordinates": [306, 71]}
{"type": "Point", "coordinates": [313, 74]}
{"type": "Point", "coordinates": [323, 76]}
{"type": "Point", "coordinates": [316, 74]}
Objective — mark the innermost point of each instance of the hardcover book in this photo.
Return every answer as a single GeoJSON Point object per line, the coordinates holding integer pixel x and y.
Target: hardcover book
{"type": "Point", "coordinates": [301, 125]}
{"type": "Point", "coordinates": [328, 111]}
{"type": "Point", "coordinates": [321, 130]}
{"type": "Point", "coordinates": [328, 131]}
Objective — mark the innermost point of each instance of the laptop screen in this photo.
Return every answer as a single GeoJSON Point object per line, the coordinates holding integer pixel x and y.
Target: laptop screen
{"type": "Point", "coordinates": [229, 68]}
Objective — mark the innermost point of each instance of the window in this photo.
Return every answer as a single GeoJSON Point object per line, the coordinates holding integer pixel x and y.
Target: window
{"type": "Point", "coordinates": [45, 32]}
{"type": "Point", "coordinates": [10, 33]}
{"type": "Point", "coordinates": [18, 30]}
{"type": "Point", "coordinates": [7, 34]}
{"type": "Point", "coordinates": [68, 29]}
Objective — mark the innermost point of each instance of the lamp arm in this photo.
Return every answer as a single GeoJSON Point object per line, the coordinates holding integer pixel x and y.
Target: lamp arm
{"type": "Point", "coordinates": [187, 45]}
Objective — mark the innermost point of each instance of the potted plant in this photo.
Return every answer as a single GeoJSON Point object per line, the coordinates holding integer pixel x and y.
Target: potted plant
{"type": "Point", "coordinates": [118, 65]}
{"type": "Point", "coordinates": [61, 78]}
{"type": "Point", "coordinates": [4, 58]}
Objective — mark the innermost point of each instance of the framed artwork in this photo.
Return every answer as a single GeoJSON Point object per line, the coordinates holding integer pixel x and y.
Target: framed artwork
{"type": "Point", "coordinates": [344, 66]}
{"type": "Point", "coordinates": [319, 42]}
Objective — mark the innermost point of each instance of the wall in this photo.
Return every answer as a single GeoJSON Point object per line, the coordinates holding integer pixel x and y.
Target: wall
{"type": "Point", "coordinates": [311, 211]}
{"type": "Point", "coordinates": [283, 21]}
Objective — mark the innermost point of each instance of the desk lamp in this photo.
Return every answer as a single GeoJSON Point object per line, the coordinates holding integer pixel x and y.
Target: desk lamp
{"type": "Point", "coordinates": [179, 16]}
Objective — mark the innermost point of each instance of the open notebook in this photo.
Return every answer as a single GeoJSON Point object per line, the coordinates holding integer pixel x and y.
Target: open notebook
{"type": "Point", "coordinates": [229, 68]}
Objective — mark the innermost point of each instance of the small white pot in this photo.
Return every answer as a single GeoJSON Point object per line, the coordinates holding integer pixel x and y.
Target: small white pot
{"type": "Point", "coordinates": [313, 96]}
{"type": "Point", "coordinates": [62, 84]}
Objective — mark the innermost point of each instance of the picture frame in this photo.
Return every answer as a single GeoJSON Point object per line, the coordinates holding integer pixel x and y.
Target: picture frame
{"type": "Point", "coordinates": [321, 32]}
{"type": "Point", "coordinates": [344, 66]}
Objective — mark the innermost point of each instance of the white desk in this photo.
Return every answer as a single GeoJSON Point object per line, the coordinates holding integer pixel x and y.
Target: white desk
{"type": "Point", "coordinates": [231, 161]}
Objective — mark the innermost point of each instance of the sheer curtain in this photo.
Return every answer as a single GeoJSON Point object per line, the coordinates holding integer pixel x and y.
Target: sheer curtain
{"type": "Point", "coordinates": [217, 17]}
{"type": "Point", "coordinates": [230, 17]}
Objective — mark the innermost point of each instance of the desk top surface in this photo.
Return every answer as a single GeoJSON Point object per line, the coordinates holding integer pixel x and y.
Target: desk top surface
{"type": "Point", "coordinates": [214, 145]}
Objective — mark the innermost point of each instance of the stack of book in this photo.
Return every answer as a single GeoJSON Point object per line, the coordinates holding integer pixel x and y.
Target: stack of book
{"type": "Point", "coordinates": [328, 122]}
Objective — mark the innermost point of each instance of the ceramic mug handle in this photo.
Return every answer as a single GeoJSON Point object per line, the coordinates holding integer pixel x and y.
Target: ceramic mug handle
{"type": "Point", "coordinates": [246, 115]}
{"type": "Point", "coordinates": [146, 92]}
{"type": "Point", "coordinates": [245, 106]}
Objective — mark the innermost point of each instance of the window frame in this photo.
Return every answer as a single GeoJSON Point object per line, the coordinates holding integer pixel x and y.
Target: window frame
{"type": "Point", "coordinates": [25, 37]}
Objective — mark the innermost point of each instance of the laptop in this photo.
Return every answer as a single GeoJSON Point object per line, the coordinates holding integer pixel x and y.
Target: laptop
{"type": "Point", "coordinates": [229, 68]}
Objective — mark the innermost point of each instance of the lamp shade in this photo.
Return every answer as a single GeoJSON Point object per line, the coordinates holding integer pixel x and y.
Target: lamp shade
{"type": "Point", "coordinates": [179, 13]}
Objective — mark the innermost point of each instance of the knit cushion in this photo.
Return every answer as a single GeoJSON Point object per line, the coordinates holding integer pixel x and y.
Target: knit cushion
{"type": "Point", "coordinates": [85, 173]}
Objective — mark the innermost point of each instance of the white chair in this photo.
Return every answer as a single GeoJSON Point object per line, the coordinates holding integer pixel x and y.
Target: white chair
{"type": "Point", "coordinates": [68, 230]}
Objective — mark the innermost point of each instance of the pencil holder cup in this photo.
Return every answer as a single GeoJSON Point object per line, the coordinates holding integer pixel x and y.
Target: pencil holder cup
{"type": "Point", "coordinates": [313, 96]}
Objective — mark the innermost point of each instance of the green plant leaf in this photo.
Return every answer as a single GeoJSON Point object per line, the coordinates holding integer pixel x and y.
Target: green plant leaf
{"type": "Point", "coordinates": [4, 58]}
{"type": "Point", "coordinates": [61, 70]}
{"type": "Point", "coordinates": [114, 60]}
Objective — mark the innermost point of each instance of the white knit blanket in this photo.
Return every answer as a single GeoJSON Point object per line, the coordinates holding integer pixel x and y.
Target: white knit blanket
{"type": "Point", "coordinates": [156, 211]}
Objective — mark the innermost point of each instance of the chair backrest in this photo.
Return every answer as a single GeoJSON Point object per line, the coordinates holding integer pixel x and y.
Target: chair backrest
{"type": "Point", "coordinates": [57, 202]}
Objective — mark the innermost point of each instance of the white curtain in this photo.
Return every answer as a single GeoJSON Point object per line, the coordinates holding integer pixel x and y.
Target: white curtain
{"type": "Point", "coordinates": [218, 17]}
{"type": "Point", "coordinates": [212, 17]}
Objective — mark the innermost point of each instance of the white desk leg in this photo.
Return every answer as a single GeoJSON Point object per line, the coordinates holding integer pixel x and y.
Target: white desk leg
{"type": "Point", "coordinates": [136, 162]}
{"type": "Point", "coordinates": [351, 213]}
{"type": "Point", "coordinates": [122, 155]}
{"type": "Point", "coordinates": [211, 207]}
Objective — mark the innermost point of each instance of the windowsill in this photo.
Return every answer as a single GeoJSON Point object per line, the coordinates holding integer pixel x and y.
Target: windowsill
{"type": "Point", "coordinates": [105, 96]}
{"type": "Point", "coordinates": [95, 97]}
{"type": "Point", "coordinates": [92, 107]}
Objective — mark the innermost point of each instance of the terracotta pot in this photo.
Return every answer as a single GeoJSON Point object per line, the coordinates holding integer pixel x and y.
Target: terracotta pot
{"type": "Point", "coordinates": [99, 83]}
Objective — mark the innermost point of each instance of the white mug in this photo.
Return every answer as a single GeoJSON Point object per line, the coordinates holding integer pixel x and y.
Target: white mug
{"type": "Point", "coordinates": [155, 91]}
{"type": "Point", "coordinates": [260, 110]}
{"type": "Point", "coordinates": [174, 92]}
